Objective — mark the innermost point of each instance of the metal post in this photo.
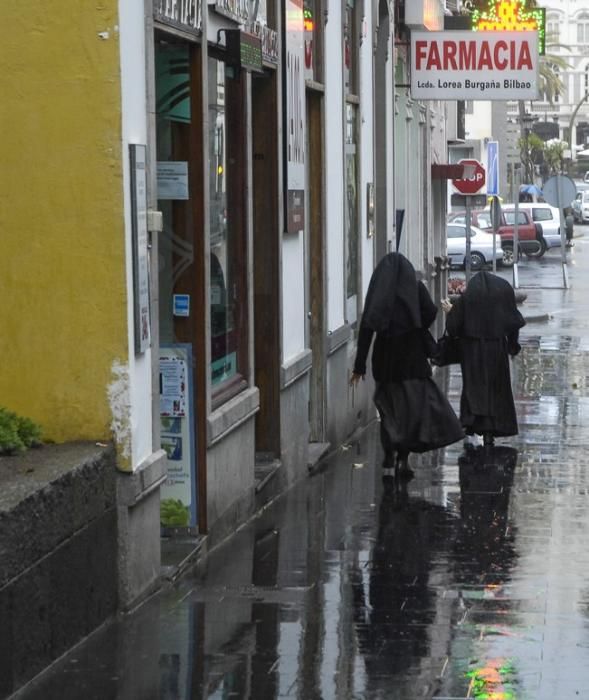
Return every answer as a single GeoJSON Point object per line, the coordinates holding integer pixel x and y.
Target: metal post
{"type": "Point", "coordinates": [516, 235]}
{"type": "Point", "coordinates": [468, 260]}
{"type": "Point", "coordinates": [496, 222]}
{"type": "Point", "coordinates": [563, 257]}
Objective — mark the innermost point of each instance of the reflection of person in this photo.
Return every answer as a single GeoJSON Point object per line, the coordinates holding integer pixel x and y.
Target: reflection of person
{"type": "Point", "coordinates": [415, 415]}
{"type": "Point", "coordinates": [396, 612]}
{"type": "Point", "coordinates": [487, 321]}
{"type": "Point", "coordinates": [218, 298]}
{"type": "Point", "coordinates": [485, 543]}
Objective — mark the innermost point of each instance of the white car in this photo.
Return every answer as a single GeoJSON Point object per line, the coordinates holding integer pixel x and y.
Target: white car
{"type": "Point", "coordinates": [580, 206]}
{"type": "Point", "coordinates": [481, 246]}
{"type": "Point", "coordinates": [548, 217]}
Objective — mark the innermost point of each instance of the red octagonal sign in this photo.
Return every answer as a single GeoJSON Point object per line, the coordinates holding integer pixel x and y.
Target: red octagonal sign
{"type": "Point", "coordinates": [473, 179]}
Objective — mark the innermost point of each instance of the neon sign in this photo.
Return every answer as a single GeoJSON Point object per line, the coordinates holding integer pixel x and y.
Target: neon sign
{"type": "Point", "coordinates": [511, 16]}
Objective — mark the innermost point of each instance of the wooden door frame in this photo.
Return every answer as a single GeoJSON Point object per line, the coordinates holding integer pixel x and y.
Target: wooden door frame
{"type": "Point", "coordinates": [199, 198]}
{"type": "Point", "coordinates": [317, 266]}
{"type": "Point", "coordinates": [266, 260]}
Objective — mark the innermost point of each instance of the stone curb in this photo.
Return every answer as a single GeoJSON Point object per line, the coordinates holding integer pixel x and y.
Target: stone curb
{"type": "Point", "coordinates": [537, 318]}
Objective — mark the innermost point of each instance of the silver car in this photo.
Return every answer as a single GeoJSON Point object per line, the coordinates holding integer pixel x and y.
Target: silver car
{"type": "Point", "coordinates": [580, 206]}
{"type": "Point", "coordinates": [481, 246]}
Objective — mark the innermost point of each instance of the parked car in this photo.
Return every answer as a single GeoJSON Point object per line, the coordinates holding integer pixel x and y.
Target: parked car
{"type": "Point", "coordinates": [480, 219]}
{"type": "Point", "coordinates": [580, 207]}
{"type": "Point", "coordinates": [530, 235]}
{"type": "Point", "coordinates": [481, 246]}
{"type": "Point", "coordinates": [549, 218]}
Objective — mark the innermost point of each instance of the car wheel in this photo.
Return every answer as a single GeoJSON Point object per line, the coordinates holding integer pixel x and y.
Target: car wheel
{"type": "Point", "coordinates": [508, 256]}
{"type": "Point", "coordinates": [538, 253]}
{"type": "Point", "coordinates": [477, 261]}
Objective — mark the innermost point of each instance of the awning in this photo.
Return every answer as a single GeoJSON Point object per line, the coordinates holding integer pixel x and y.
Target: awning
{"type": "Point", "coordinates": [447, 171]}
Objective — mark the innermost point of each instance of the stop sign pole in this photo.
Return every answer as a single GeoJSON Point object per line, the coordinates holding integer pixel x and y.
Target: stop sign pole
{"type": "Point", "coordinates": [469, 185]}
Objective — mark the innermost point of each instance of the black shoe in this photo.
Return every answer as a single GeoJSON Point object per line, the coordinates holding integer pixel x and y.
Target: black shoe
{"type": "Point", "coordinates": [402, 469]}
{"type": "Point", "coordinates": [488, 440]}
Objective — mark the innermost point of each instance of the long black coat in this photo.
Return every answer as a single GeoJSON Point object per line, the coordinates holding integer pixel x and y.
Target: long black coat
{"type": "Point", "coordinates": [415, 415]}
{"type": "Point", "coordinates": [487, 321]}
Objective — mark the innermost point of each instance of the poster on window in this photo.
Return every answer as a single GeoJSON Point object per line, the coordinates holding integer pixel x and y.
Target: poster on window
{"type": "Point", "coordinates": [178, 494]}
{"type": "Point", "coordinates": [295, 115]}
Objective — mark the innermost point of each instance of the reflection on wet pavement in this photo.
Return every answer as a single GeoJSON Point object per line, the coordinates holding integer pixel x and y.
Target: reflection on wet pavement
{"type": "Point", "coordinates": [469, 582]}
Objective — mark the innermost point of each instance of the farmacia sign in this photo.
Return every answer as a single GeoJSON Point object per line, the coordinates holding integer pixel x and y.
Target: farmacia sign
{"type": "Point", "coordinates": [463, 65]}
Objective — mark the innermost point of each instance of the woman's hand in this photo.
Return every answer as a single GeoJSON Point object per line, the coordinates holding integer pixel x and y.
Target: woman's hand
{"type": "Point", "coordinates": [446, 306]}
{"type": "Point", "coordinates": [355, 378]}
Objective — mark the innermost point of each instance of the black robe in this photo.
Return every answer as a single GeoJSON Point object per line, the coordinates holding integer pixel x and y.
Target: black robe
{"type": "Point", "coordinates": [487, 322]}
{"type": "Point", "coordinates": [415, 415]}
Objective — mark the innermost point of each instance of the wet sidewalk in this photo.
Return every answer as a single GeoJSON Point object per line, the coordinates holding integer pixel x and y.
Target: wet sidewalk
{"type": "Point", "coordinates": [471, 582]}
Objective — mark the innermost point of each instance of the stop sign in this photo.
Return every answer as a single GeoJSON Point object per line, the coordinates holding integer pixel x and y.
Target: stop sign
{"type": "Point", "coordinates": [473, 179]}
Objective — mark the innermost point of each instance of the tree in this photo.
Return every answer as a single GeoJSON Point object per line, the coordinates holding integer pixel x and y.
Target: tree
{"type": "Point", "coordinates": [554, 156]}
{"type": "Point", "coordinates": [531, 148]}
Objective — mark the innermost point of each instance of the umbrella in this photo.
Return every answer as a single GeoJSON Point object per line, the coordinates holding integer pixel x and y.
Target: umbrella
{"type": "Point", "coordinates": [531, 189]}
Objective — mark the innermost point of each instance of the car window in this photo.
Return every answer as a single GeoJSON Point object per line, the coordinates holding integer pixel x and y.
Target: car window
{"type": "Point", "coordinates": [586, 196]}
{"type": "Point", "coordinates": [510, 218]}
{"type": "Point", "coordinates": [456, 232]}
{"type": "Point", "coordinates": [484, 220]}
{"type": "Point", "coordinates": [461, 219]}
{"type": "Point", "coordinates": [541, 214]}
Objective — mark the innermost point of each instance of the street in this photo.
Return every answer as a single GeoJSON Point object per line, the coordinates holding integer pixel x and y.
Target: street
{"type": "Point", "coordinates": [470, 582]}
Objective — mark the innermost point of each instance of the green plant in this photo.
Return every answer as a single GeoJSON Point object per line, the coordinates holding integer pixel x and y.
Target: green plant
{"type": "Point", "coordinates": [17, 433]}
{"type": "Point", "coordinates": [173, 513]}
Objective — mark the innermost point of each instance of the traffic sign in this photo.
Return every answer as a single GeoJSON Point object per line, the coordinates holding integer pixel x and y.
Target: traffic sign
{"type": "Point", "coordinates": [559, 191]}
{"type": "Point", "coordinates": [474, 177]}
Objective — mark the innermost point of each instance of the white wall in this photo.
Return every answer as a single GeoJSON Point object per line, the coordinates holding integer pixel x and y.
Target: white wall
{"type": "Point", "coordinates": [334, 169]}
{"type": "Point", "coordinates": [293, 295]}
{"type": "Point", "coordinates": [366, 151]}
{"type": "Point", "coordinates": [134, 128]}
{"type": "Point", "coordinates": [478, 125]}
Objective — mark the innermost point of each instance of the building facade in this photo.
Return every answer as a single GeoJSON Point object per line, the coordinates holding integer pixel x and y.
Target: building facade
{"type": "Point", "coordinates": [194, 198]}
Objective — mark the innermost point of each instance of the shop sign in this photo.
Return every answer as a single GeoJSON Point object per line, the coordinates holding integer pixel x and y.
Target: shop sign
{"type": "Point", "coordinates": [294, 128]}
{"type": "Point", "coordinates": [172, 179]}
{"type": "Point", "coordinates": [295, 211]}
{"type": "Point", "coordinates": [462, 65]}
{"type": "Point", "coordinates": [424, 14]}
{"type": "Point", "coordinates": [511, 16]}
{"type": "Point", "coordinates": [237, 10]}
{"type": "Point", "coordinates": [182, 14]}
{"type": "Point", "coordinates": [269, 39]}
{"type": "Point", "coordinates": [244, 50]}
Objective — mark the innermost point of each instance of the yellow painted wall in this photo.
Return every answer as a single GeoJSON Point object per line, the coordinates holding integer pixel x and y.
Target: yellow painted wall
{"type": "Point", "coordinates": [62, 242]}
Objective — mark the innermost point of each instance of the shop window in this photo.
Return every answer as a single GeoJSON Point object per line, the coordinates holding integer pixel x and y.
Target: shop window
{"type": "Point", "coordinates": [351, 213]}
{"type": "Point", "coordinates": [173, 124]}
{"type": "Point", "coordinates": [351, 46]}
{"type": "Point", "coordinates": [228, 257]}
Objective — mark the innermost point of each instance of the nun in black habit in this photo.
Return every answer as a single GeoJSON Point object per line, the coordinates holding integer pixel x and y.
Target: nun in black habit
{"type": "Point", "coordinates": [415, 415]}
{"type": "Point", "coordinates": [487, 321]}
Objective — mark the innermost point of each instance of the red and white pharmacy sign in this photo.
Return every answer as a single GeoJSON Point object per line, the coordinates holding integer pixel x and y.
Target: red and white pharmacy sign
{"type": "Point", "coordinates": [463, 65]}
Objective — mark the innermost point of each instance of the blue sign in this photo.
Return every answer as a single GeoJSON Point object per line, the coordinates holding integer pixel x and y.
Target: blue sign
{"type": "Point", "coordinates": [493, 167]}
{"type": "Point", "coordinates": [181, 304]}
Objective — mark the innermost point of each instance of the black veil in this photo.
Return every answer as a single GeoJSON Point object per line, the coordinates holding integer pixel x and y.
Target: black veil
{"type": "Point", "coordinates": [396, 302]}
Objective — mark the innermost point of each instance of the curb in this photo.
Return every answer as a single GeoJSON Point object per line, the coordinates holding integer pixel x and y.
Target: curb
{"type": "Point", "coordinates": [537, 318]}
